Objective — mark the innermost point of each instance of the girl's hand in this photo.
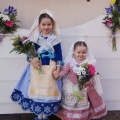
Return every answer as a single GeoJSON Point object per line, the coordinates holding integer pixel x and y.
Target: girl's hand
{"type": "Point", "coordinates": [35, 63]}
{"type": "Point", "coordinates": [90, 82]}
{"type": "Point", "coordinates": [86, 84]}
{"type": "Point", "coordinates": [56, 74]}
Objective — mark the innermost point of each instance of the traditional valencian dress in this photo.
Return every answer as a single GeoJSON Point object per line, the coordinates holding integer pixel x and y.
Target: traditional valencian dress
{"type": "Point", "coordinates": [38, 91]}
{"type": "Point", "coordinates": [91, 106]}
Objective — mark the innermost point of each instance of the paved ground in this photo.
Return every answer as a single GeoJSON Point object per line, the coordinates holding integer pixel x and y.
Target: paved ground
{"type": "Point", "coordinates": [112, 115]}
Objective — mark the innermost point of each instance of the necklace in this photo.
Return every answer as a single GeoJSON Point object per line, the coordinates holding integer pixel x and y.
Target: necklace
{"type": "Point", "coordinates": [45, 37]}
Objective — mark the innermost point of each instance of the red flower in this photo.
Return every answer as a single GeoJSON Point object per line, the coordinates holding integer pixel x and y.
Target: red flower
{"type": "Point", "coordinates": [91, 69]}
{"type": "Point", "coordinates": [9, 23]}
{"type": "Point", "coordinates": [109, 22]}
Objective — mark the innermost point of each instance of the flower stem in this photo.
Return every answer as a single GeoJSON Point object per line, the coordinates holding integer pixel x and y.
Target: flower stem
{"type": "Point", "coordinates": [77, 95]}
{"type": "Point", "coordinates": [114, 48]}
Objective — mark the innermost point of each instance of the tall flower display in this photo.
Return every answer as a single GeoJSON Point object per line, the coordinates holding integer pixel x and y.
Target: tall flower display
{"type": "Point", "coordinates": [8, 21]}
{"type": "Point", "coordinates": [112, 20]}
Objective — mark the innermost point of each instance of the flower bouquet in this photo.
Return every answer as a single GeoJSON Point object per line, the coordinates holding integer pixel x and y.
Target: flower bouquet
{"type": "Point", "coordinates": [8, 21]}
{"type": "Point", "coordinates": [84, 74]}
{"type": "Point", "coordinates": [112, 20]}
{"type": "Point", "coordinates": [25, 46]}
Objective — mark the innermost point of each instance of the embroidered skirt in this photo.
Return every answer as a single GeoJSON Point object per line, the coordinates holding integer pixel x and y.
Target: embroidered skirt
{"type": "Point", "coordinates": [37, 92]}
{"type": "Point", "coordinates": [91, 106]}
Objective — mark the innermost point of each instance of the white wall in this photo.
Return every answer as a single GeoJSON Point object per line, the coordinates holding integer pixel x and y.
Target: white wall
{"type": "Point", "coordinates": [68, 13]}
{"type": "Point", "coordinates": [108, 63]}
{"type": "Point", "coordinates": [97, 37]}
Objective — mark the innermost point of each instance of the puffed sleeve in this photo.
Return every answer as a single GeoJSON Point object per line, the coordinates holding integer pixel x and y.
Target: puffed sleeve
{"type": "Point", "coordinates": [58, 54]}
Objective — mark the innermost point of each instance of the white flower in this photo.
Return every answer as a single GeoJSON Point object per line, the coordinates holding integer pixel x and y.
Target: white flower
{"type": "Point", "coordinates": [4, 17]}
{"type": "Point", "coordinates": [80, 77]}
{"type": "Point", "coordinates": [110, 15]}
{"type": "Point", "coordinates": [84, 72]}
{"type": "Point", "coordinates": [0, 15]}
{"type": "Point", "coordinates": [81, 71]}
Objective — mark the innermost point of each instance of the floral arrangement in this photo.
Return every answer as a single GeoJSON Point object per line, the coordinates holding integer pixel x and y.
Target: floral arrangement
{"type": "Point", "coordinates": [112, 20]}
{"type": "Point", "coordinates": [8, 21]}
{"type": "Point", "coordinates": [84, 74]}
{"type": "Point", "coordinates": [23, 45]}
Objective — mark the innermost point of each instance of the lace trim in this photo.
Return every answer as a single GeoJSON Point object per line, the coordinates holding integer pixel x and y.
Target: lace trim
{"type": "Point", "coordinates": [70, 100]}
{"type": "Point", "coordinates": [59, 63]}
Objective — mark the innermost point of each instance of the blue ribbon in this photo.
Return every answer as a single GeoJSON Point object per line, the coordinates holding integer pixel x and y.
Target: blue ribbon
{"type": "Point", "coordinates": [49, 55]}
{"type": "Point", "coordinates": [49, 50]}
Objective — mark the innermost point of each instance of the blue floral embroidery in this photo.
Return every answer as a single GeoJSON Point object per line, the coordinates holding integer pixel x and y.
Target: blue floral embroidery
{"type": "Point", "coordinates": [42, 104]}
{"type": "Point", "coordinates": [35, 107]}
{"type": "Point", "coordinates": [51, 104]}
{"type": "Point", "coordinates": [16, 96]}
{"type": "Point", "coordinates": [25, 104]}
{"type": "Point", "coordinates": [47, 109]}
{"type": "Point", "coordinates": [38, 109]}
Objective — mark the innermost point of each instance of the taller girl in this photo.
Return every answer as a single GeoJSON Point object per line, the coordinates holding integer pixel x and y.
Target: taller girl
{"type": "Point", "coordinates": [39, 91]}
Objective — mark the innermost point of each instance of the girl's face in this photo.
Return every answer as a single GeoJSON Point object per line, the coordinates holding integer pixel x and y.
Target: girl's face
{"type": "Point", "coordinates": [80, 53]}
{"type": "Point", "coordinates": [46, 26]}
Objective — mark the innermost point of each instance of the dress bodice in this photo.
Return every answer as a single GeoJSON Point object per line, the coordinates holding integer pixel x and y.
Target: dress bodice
{"type": "Point", "coordinates": [49, 48]}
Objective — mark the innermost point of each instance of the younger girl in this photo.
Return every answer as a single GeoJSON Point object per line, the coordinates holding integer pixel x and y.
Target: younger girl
{"type": "Point", "coordinates": [90, 104]}
{"type": "Point", "coordinates": [37, 90]}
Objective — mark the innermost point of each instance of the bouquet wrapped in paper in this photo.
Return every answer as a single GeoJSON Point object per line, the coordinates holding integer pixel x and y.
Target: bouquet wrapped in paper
{"type": "Point", "coordinates": [84, 73]}
{"type": "Point", "coordinates": [25, 46]}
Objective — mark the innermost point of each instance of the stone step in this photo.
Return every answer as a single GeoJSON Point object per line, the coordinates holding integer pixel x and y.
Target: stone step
{"type": "Point", "coordinates": [112, 115]}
